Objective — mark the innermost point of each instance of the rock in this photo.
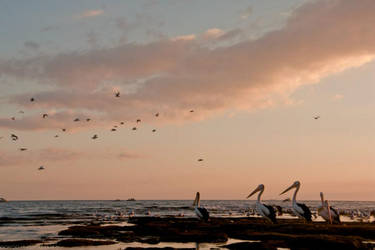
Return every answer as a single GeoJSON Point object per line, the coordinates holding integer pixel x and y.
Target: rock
{"type": "Point", "coordinates": [19, 243]}
{"type": "Point", "coordinates": [83, 242]}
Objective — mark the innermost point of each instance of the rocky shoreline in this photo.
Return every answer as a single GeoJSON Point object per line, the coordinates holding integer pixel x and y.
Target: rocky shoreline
{"type": "Point", "coordinates": [255, 232]}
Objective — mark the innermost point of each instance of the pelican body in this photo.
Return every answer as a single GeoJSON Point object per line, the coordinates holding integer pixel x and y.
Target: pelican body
{"type": "Point", "coordinates": [327, 212]}
{"type": "Point", "coordinates": [300, 209]}
{"type": "Point", "coordinates": [265, 211]}
{"type": "Point", "coordinates": [201, 212]}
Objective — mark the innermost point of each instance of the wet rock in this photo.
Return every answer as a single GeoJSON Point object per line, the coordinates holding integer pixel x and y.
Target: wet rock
{"type": "Point", "coordinates": [83, 242]}
{"type": "Point", "coordinates": [19, 243]}
{"type": "Point", "coordinates": [91, 231]}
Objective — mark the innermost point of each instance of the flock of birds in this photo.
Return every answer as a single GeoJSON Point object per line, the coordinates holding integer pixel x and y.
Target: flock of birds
{"type": "Point", "coordinates": [327, 212]}
{"type": "Point", "coordinates": [117, 94]}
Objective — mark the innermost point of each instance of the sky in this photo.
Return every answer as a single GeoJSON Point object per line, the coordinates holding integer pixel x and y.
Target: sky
{"type": "Point", "coordinates": [255, 73]}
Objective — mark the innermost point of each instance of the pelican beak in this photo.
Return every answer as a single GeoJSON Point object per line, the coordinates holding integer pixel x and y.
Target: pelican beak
{"type": "Point", "coordinates": [195, 203]}
{"type": "Point", "coordinates": [289, 188]}
{"type": "Point", "coordinates": [252, 193]}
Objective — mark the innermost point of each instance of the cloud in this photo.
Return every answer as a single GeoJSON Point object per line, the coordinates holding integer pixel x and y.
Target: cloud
{"type": "Point", "coordinates": [90, 13]}
{"type": "Point", "coordinates": [246, 13]}
{"type": "Point", "coordinates": [47, 155]}
{"type": "Point", "coordinates": [31, 45]}
{"type": "Point", "coordinates": [337, 97]}
{"type": "Point", "coordinates": [171, 76]}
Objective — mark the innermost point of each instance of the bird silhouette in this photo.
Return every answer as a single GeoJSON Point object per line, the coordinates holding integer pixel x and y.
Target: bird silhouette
{"type": "Point", "coordinates": [113, 130]}
{"type": "Point", "coordinates": [200, 159]}
{"type": "Point", "coordinates": [316, 117]}
{"type": "Point", "coordinates": [88, 119]}
{"type": "Point", "coordinates": [117, 94]}
{"type": "Point", "coordinates": [56, 136]}
{"type": "Point", "coordinates": [41, 168]}
{"type": "Point", "coordinates": [94, 137]}
{"type": "Point", "coordinates": [13, 118]}
{"type": "Point", "coordinates": [63, 129]}
{"type": "Point", "coordinates": [14, 137]}
{"type": "Point", "coordinates": [32, 99]}
{"type": "Point", "coordinates": [122, 123]}
{"type": "Point", "coordinates": [191, 111]}
{"type": "Point", "coordinates": [45, 115]}
{"type": "Point", "coordinates": [76, 120]}
{"type": "Point", "coordinates": [23, 149]}
{"type": "Point", "coordinates": [134, 128]}
{"type": "Point", "coordinates": [154, 130]}
{"type": "Point", "coordinates": [138, 120]}
{"type": "Point", "coordinates": [157, 114]}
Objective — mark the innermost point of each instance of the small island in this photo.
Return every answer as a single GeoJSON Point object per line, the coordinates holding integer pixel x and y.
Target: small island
{"type": "Point", "coordinates": [2, 199]}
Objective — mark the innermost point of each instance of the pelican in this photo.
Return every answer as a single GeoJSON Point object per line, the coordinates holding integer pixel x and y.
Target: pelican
{"type": "Point", "coordinates": [300, 209]}
{"type": "Point", "coordinates": [265, 211]}
{"type": "Point", "coordinates": [201, 212]}
{"type": "Point", "coordinates": [327, 212]}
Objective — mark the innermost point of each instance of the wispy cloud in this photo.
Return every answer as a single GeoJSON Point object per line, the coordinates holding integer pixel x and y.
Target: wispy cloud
{"type": "Point", "coordinates": [90, 13]}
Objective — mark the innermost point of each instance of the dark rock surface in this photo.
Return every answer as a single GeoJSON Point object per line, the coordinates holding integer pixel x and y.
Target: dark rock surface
{"type": "Point", "coordinates": [19, 243]}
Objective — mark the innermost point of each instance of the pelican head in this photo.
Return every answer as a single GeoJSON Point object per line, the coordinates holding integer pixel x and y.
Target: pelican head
{"type": "Point", "coordinates": [197, 198]}
{"type": "Point", "coordinates": [296, 184]}
{"type": "Point", "coordinates": [259, 188]}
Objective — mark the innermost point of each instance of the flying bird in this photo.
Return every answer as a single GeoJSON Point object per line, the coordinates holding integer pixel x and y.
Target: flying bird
{"type": "Point", "coordinates": [63, 129]}
{"type": "Point", "coordinates": [13, 118]}
{"type": "Point", "coordinates": [115, 126]}
{"type": "Point", "coordinates": [56, 136]}
{"type": "Point", "coordinates": [327, 212]}
{"type": "Point", "coordinates": [113, 130]}
{"type": "Point", "coordinates": [201, 212]}
{"type": "Point", "coordinates": [117, 94]}
{"type": "Point", "coordinates": [154, 130]}
{"type": "Point", "coordinates": [264, 210]}
{"type": "Point", "coordinates": [200, 159]}
{"type": "Point", "coordinates": [122, 123]}
{"type": "Point", "coordinates": [94, 137]}
{"type": "Point", "coordinates": [191, 111]}
{"type": "Point", "coordinates": [21, 112]}
{"type": "Point", "coordinates": [23, 149]}
{"type": "Point", "coordinates": [300, 209]}
{"type": "Point", "coordinates": [45, 115]}
{"type": "Point", "coordinates": [14, 137]}
{"type": "Point", "coordinates": [316, 117]}
{"type": "Point", "coordinates": [138, 120]}
{"type": "Point", "coordinates": [41, 168]}
{"type": "Point", "coordinates": [76, 120]}
{"type": "Point", "coordinates": [134, 128]}
{"type": "Point", "coordinates": [88, 119]}
{"type": "Point", "coordinates": [32, 99]}
{"type": "Point", "coordinates": [157, 114]}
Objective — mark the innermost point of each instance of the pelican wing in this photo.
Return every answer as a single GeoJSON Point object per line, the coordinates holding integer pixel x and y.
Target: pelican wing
{"type": "Point", "coordinates": [205, 214]}
{"type": "Point", "coordinates": [306, 211]}
{"type": "Point", "coordinates": [271, 214]}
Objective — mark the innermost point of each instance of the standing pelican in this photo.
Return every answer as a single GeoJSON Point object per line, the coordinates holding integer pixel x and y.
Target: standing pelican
{"type": "Point", "coordinates": [201, 212]}
{"type": "Point", "coordinates": [265, 211]}
{"type": "Point", "coordinates": [327, 212]}
{"type": "Point", "coordinates": [300, 209]}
